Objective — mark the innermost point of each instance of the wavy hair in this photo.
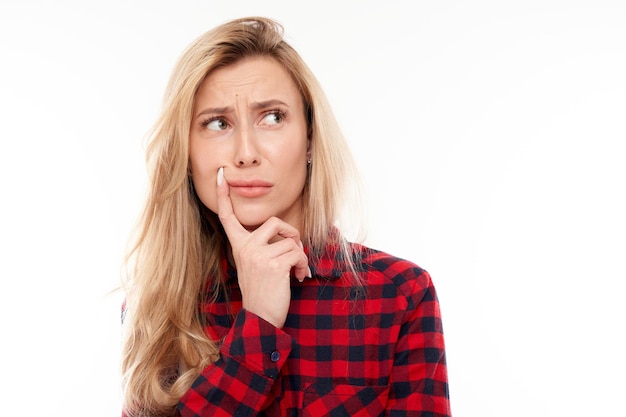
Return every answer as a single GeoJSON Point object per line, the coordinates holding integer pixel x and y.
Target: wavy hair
{"type": "Point", "coordinates": [178, 246]}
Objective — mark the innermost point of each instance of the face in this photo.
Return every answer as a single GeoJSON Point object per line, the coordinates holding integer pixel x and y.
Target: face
{"type": "Point", "coordinates": [249, 118]}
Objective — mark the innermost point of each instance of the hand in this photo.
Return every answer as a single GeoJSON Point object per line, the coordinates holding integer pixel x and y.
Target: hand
{"type": "Point", "coordinates": [264, 259]}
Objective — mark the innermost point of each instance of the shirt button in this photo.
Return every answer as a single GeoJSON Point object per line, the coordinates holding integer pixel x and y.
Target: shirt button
{"type": "Point", "coordinates": [275, 356]}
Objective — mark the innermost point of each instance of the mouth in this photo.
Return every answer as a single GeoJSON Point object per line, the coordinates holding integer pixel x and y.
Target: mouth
{"type": "Point", "coordinates": [250, 189]}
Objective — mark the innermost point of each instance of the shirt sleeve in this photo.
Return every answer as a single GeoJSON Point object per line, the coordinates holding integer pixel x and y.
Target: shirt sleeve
{"type": "Point", "coordinates": [239, 382]}
{"type": "Point", "coordinates": [419, 378]}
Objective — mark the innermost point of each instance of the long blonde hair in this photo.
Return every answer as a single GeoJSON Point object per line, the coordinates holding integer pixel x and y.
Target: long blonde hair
{"type": "Point", "coordinates": [179, 245]}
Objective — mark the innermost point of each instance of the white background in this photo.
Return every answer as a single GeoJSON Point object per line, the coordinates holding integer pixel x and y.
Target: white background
{"type": "Point", "coordinates": [490, 136]}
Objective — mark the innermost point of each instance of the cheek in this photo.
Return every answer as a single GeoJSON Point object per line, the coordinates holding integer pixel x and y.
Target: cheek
{"type": "Point", "coordinates": [204, 177]}
{"type": "Point", "coordinates": [295, 172]}
{"type": "Point", "coordinates": [205, 189]}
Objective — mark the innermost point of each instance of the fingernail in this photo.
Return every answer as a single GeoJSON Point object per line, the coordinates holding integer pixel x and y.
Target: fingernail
{"type": "Point", "coordinates": [220, 176]}
{"type": "Point", "coordinates": [301, 245]}
{"type": "Point", "coordinates": [310, 275]}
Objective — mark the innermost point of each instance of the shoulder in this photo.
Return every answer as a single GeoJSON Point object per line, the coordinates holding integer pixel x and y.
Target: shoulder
{"type": "Point", "coordinates": [383, 269]}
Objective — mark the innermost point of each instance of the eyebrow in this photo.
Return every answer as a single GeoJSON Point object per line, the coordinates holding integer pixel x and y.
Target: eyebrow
{"type": "Point", "coordinates": [255, 106]}
{"type": "Point", "coordinates": [268, 103]}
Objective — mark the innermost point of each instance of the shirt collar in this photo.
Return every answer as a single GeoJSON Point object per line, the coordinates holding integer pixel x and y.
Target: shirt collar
{"type": "Point", "coordinates": [329, 263]}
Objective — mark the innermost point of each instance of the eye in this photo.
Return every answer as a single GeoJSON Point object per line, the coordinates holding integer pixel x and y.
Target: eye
{"type": "Point", "coordinates": [216, 123]}
{"type": "Point", "coordinates": [273, 117]}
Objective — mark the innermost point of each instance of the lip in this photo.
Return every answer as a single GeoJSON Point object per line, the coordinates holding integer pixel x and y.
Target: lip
{"type": "Point", "coordinates": [250, 188]}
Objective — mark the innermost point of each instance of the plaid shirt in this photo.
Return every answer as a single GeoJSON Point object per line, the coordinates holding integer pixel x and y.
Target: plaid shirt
{"type": "Point", "coordinates": [340, 353]}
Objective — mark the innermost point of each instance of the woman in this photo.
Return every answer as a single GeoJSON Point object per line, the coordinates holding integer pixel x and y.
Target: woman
{"type": "Point", "coordinates": [244, 296]}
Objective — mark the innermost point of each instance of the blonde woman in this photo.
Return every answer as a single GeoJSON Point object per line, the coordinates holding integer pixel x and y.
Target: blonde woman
{"type": "Point", "coordinates": [244, 297]}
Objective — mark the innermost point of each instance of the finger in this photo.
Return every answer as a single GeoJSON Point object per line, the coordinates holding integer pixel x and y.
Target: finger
{"type": "Point", "coordinates": [234, 229]}
{"type": "Point", "coordinates": [282, 247]}
{"type": "Point", "coordinates": [299, 262]}
{"type": "Point", "coordinates": [289, 235]}
{"type": "Point", "coordinates": [301, 268]}
{"type": "Point", "coordinates": [275, 227]}
{"type": "Point", "coordinates": [289, 254]}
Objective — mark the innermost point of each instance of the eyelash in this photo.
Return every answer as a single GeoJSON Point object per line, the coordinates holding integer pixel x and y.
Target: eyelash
{"type": "Point", "coordinates": [206, 122]}
{"type": "Point", "coordinates": [280, 113]}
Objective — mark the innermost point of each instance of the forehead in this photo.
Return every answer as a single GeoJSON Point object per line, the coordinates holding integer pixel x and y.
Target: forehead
{"type": "Point", "coordinates": [257, 78]}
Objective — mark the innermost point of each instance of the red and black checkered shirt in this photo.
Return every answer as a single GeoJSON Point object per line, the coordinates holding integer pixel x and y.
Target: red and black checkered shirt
{"type": "Point", "coordinates": [341, 352]}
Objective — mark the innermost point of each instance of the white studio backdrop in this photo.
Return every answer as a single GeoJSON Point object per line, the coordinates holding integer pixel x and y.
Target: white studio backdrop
{"type": "Point", "coordinates": [490, 136]}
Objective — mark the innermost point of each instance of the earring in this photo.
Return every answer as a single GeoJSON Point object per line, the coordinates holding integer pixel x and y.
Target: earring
{"type": "Point", "coordinates": [308, 161]}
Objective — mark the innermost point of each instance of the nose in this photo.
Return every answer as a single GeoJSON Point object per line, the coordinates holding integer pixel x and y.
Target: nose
{"type": "Point", "coordinates": [246, 150]}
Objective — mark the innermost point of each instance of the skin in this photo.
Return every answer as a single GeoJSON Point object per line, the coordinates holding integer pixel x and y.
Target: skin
{"type": "Point", "coordinates": [248, 150]}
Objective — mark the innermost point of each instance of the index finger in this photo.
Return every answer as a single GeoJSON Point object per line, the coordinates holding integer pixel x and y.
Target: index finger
{"type": "Point", "coordinates": [232, 227]}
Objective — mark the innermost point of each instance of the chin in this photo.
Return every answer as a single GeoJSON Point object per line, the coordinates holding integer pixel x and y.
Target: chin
{"type": "Point", "coordinates": [251, 216]}
{"type": "Point", "coordinates": [251, 220]}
